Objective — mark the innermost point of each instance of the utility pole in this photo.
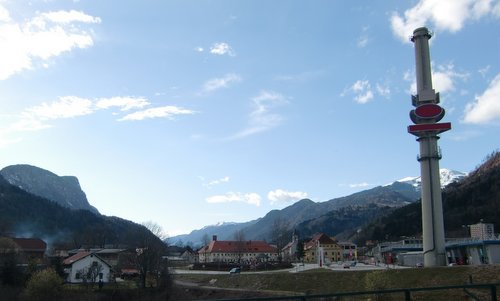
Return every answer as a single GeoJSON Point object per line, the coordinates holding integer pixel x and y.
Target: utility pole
{"type": "Point", "coordinates": [426, 115]}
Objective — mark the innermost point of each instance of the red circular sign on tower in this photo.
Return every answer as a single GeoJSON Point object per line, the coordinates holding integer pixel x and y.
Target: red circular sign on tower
{"type": "Point", "coordinates": [428, 111]}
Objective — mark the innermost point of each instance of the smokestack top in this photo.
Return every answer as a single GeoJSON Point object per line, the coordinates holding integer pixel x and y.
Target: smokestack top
{"type": "Point", "coordinates": [421, 31]}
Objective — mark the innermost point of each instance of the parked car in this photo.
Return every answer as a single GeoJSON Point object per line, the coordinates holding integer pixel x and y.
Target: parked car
{"type": "Point", "coordinates": [347, 265]}
{"type": "Point", "coordinates": [234, 271]}
{"type": "Point", "coordinates": [419, 265]}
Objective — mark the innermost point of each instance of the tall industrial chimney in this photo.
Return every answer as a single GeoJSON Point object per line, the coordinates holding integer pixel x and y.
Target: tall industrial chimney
{"type": "Point", "coordinates": [426, 116]}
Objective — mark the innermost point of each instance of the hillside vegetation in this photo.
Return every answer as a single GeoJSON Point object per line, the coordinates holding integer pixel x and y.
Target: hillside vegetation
{"type": "Point", "coordinates": [25, 215]}
{"type": "Point", "coordinates": [475, 198]}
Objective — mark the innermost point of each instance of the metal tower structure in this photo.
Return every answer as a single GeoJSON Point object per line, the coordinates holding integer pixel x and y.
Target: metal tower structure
{"type": "Point", "coordinates": [425, 116]}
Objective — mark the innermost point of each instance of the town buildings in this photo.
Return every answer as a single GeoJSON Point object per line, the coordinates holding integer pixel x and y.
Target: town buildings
{"type": "Point", "coordinates": [481, 247]}
{"type": "Point", "coordinates": [322, 249]}
{"type": "Point", "coordinates": [231, 251]}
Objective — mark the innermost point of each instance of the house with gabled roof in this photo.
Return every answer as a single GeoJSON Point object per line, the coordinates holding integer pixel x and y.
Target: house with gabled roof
{"type": "Point", "coordinates": [231, 251]}
{"type": "Point", "coordinates": [32, 249]}
{"type": "Point", "coordinates": [87, 267]}
{"type": "Point", "coordinates": [322, 249]}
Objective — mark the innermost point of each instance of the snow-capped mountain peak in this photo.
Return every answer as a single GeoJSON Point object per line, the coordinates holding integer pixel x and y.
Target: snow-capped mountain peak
{"type": "Point", "coordinates": [447, 176]}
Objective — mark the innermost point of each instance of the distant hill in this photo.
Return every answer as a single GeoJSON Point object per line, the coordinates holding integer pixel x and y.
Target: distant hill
{"type": "Point", "coordinates": [224, 231]}
{"type": "Point", "coordinates": [343, 222]}
{"type": "Point", "coordinates": [65, 191]}
{"type": "Point", "coordinates": [23, 214]}
{"type": "Point", "coordinates": [368, 203]}
{"type": "Point", "coordinates": [474, 198]}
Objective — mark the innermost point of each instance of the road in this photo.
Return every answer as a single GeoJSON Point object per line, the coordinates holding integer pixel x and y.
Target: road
{"type": "Point", "coordinates": [300, 268]}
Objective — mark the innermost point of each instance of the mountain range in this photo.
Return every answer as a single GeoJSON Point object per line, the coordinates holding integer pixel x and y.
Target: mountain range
{"type": "Point", "coordinates": [476, 198]}
{"type": "Point", "coordinates": [37, 201]}
{"type": "Point", "coordinates": [67, 223]}
{"type": "Point", "coordinates": [447, 177]}
{"type": "Point", "coordinates": [337, 216]}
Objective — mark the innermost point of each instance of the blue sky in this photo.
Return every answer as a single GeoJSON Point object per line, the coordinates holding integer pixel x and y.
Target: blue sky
{"type": "Point", "coordinates": [189, 113]}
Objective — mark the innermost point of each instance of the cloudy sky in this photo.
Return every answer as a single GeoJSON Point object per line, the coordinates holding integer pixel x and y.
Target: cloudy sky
{"type": "Point", "coordinates": [188, 113]}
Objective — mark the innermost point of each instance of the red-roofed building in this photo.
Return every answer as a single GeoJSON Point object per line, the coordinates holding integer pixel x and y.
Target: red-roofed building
{"type": "Point", "coordinates": [237, 251]}
{"type": "Point", "coordinates": [322, 249]}
{"type": "Point", "coordinates": [31, 249]}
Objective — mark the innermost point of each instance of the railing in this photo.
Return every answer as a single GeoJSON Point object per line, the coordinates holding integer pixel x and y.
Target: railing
{"type": "Point", "coordinates": [406, 293]}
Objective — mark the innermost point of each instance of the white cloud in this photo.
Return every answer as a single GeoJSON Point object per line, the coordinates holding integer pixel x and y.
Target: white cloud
{"type": "Point", "coordinates": [219, 83]}
{"type": "Point", "coordinates": [364, 93]}
{"type": "Point", "coordinates": [213, 182]}
{"type": "Point", "coordinates": [359, 185]}
{"type": "Point", "coordinates": [219, 181]}
{"type": "Point", "coordinates": [159, 112]}
{"type": "Point", "coordinates": [282, 196]}
{"type": "Point", "coordinates": [362, 90]}
{"type": "Point", "coordinates": [364, 38]}
{"type": "Point", "coordinates": [26, 123]}
{"type": "Point", "coordinates": [24, 44]}
{"type": "Point", "coordinates": [4, 14]}
{"type": "Point", "coordinates": [125, 103]}
{"type": "Point", "coordinates": [35, 118]}
{"type": "Point", "coordinates": [485, 70]}
{"type": "Point", "coordinates": [443, 78]}
{"type": "Point", "coordinates": [65, 107]}
{"type": "Point", "coordinates": [496, 10]}
{"type": "Point", "coordinates": [230, 197]}
{"type": "Point", "coordinates": [363, 41]}
{"type": "Point", "coordinates": [442, 15]}
{"type": "Point", "coordinates": [261, 119]}
{"type": "Point", "coordinates": [67, 17]}
{"type": "Point", "coordinates": [383, 90]}
{"type": "Point", "coordinates": [486, 107]}
{"type": "Point", "coordinates": [221, 49]}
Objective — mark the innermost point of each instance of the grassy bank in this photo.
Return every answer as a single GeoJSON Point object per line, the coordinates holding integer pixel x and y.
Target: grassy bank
{"type": "Point", "coordinates": [324, 281]}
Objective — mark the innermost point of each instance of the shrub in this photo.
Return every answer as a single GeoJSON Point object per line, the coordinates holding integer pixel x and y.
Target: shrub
{"type": "Point", "coordinates": [44, 285]}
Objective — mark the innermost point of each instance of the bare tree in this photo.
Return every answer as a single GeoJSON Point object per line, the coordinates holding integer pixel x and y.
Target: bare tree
{"type": "Point", "coordinates": [205, 240]}
{"type": "Point", "coordinates": [91, 273]}
{"type": "Point", "coordinates": [239, 239]}
{"type": "Point", "coordinates": [156, 229]}
{"type": "Point", "coordinates": [149, 254]}
{"type": "Point", "coordinates": [280, 235]}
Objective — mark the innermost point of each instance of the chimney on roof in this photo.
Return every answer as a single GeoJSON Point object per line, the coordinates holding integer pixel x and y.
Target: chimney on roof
{"type": "Point", "coordinates": [214, 237]}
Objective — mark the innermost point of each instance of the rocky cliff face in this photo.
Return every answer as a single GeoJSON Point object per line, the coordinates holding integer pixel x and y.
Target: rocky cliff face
{"type": "Point", "coordinates": [65, 190]}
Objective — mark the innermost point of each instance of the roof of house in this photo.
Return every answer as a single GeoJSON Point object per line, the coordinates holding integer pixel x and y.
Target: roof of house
{"type": "Point", "coordinates": [230, 246]}
{"type": "Point", "coordinates": [31, 244]}
{"type": "Point", "coordinates": [80, 256]}
{"type": "Point", "coordinates": [322, 238]}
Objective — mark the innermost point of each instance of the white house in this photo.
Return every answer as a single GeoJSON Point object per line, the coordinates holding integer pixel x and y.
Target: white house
{"type": "Point", "coordinates": [87, 267]}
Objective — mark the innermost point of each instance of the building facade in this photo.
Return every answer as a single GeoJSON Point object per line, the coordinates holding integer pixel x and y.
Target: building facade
{"type": "Point", "coordinates": [322, 249]}
{"type": "Point", "coordinates": [87, 267]}
{"type": "Point", "coordinates": [483, 231]}
{"type": "Point", "coordinates": [230, 251]}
